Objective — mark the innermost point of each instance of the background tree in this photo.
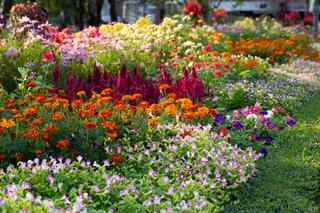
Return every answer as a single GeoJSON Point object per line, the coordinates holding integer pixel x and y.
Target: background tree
{"type": "Point", "coordinates": [94, 12]}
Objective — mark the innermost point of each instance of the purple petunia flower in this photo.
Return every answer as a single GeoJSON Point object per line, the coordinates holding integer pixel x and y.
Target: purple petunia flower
{"type": "Point", "coordinates": [11, 51]}
{"type": "Point", "coordinates": [219, 118]}
{"type": "Point", "coordinates": [264, 151]}
{"type": "Point", "coordinates": [290, 122]}
{"type": "Point", "coordinates": [237, 125]}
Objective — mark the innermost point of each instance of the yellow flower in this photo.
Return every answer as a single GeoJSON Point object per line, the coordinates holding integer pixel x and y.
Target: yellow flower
{"type": "Point", "coordinates": [168, 21]}
{"type": "Point", "coordinates": [107, 28]}
{"type": "Point", "coordinates": [143, 21]}
{"type": "Point", "coordinates": [7, 123]}
{"type": "Point", "coordinates": [119, 26]}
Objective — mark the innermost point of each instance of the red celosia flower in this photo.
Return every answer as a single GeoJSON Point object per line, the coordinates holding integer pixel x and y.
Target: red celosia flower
{"type": "Point", "coordinates": [192, 8]}
{"type": "Point", "coordinates": [117, 158]}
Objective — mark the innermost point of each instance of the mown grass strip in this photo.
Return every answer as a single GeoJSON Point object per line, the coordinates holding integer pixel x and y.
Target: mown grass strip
{"type": "Point", "coordinates": [288, 180]}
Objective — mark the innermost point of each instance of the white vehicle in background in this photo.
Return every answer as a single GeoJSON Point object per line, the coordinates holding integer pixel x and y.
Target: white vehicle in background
{"type": "Point", "coordinates": [265, 7]}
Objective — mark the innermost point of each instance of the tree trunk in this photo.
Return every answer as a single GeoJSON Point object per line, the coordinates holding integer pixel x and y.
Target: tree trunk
{"type": "Point", "coordinates": [160, 11]}
{"type": "Point", "coordinates": [94, 12]}
{"type": "Point", "coordinates": [113, 10]}
{"type": "Point", "coordinates": [7, 4]}
{"type": "Point", "coordinates": [79, 16]}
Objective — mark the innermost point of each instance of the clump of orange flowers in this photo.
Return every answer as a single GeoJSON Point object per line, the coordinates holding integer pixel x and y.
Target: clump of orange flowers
{"type": "Point", "coordinates": [7, 123]}
{"type": "Point", "coordinates": [62, 144]}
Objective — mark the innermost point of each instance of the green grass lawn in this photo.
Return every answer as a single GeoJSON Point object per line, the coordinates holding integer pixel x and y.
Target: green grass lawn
{"type": "Point", "coordinates": [288, 180]}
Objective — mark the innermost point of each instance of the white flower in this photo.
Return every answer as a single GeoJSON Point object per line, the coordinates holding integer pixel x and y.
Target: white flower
{"type": "Point", "coordinates": [252, 117]}
{"type": "Point", "coordinates": [269, 115]}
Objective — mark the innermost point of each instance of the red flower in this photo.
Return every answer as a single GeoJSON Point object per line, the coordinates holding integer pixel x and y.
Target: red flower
{"type": "Point", "coordinates": [207, 48]}
{"type": "Point", "coordinates": [117, 158]}
{"type": "Point", "coordinates": [192, 8]}
{"type": "Point", "coordinates": [62, 144]}
{"type": "Point", "coordinates": [226, 67]}
{"type": "Point", "coordinates": [218, 73]}
{"type": "Point", "coordinates": [47, 56]}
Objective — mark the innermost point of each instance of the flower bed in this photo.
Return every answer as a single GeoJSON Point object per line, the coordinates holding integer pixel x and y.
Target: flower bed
{"type": "Point", "coordinates": [163, 118]}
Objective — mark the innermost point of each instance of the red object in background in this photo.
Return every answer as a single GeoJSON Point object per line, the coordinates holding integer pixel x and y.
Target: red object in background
{"type": "Point", "coordinates": [307, 20]}
{"type": "Point", "coordinates": [292, 15]}
{"type": "Point", "coordinates": [192, 8]}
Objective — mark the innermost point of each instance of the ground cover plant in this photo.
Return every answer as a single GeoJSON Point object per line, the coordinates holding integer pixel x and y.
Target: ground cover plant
{"type": "Point", "coordinates": [173, 117]}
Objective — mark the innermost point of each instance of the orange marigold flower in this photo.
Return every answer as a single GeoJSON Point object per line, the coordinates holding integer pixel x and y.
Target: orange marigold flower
{"type": "Point", "coordinates": [165, 103]}
{"type": "Point", "coordinates": [38, 152]}
{"type": "Point", "coordinates": [126, 97]}
{"type": "Point", "coordinates": [2, 157]}
{"type": "Point", "coordinates": [46, 138]}
{"type": "Point", "coordinates": [103, 100]}
{"type": "Point", "coordinates": [9, 100]}
{"type": "Point", "coordinates": [117, 158]}
{"type": "Point", "coordinates": [62, 144]}
{"type": "Point", "coordinates": [35, 122]}
{"type": "Point", "coordinates": [111, 135]}
{"type": "Point", "coordinates": [7, 123]}
{"type": "Point", "coordinates": [105, 113]}
{"type": "Point", "coordinates": [143, 105]}
{"type": "Point", "coordinates": [31, 134]}
{"type": "Point", "coordinates": [185, 102]}
{"type": "Point", "coordinates": [57, 117]}
{"type": "Point", "coordinates": [164, 87]}
{"type": "Point", "coordinates": [106, 92]}
{"type": "Point", "coordinates": [119, 106]}
{"type": "Point", "coordinates": [153, 121]}
{"type": "Point", "coordinates": [87, 112]}
{"type": "Point", "coordinates": [223, 131]}
{"type": "Point", "coordinates": [202, 111]}
{"type": "Point", "coordinates": [14, 111]}
{"type": "Point", "coordinates": [39, 97]}
{"type": "Point", "coordinates": [171, 95]}
{"type": "Point", "coordinates": [89, 124]}
{"type": "Point", "coordinates": [19, 156]}
{"type": "Point", "coordinates": [154, 109]}
{"type": "Point", "coordinates": [136, 96]}
{"type": "Point", "coordinates": [76, 103]}
{"type": "Point", "coordinates": [171, 110]}
{"type": "Point", "coordinates": [109, 125]}
{"type": "Point", "coordinates": [32, 110]}
{"type": "Point", "coordinates": [188, 115]}
{"type": "Point", "coordinates": [50, 129]}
